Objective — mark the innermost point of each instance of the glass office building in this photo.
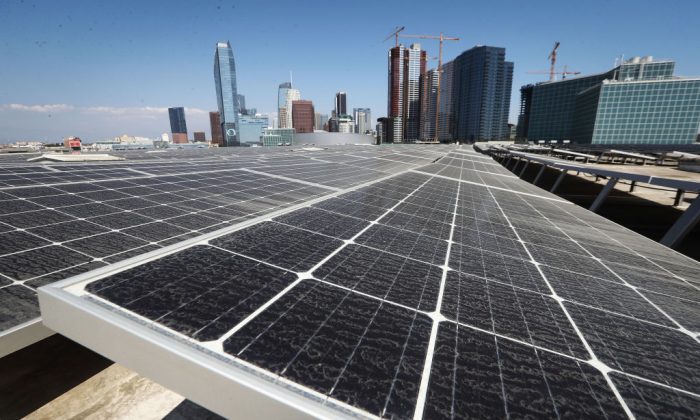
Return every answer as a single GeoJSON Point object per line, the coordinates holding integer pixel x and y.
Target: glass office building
{"type": "Point", "coordinates": [226, 92]}
{"type": "Point", "coordinates": [251, 129]}
{"type": "Point", "coordinates": [278, 137]}
{"type": "Point", "coordinates": [482, 83]}
{"type": "Point", "coordinates": [637, 102]}
{"type": "Point", "coordinates": [639, 112]}
{"type": "Point", "coordinates": [177, 120]}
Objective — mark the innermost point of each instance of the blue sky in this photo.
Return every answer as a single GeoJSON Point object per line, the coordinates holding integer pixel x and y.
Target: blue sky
{"type": "Point", "coordinates": [100, 69]}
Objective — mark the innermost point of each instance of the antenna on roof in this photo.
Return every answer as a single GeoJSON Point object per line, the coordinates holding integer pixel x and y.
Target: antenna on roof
{"type": "Point", "coordinates": [290, 78]}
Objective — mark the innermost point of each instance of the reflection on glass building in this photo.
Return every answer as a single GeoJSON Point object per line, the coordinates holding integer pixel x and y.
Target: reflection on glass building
{"type": "Point", "coordinates": [637, 102]}
{"type": "Point", "coordinates": [226, 93]}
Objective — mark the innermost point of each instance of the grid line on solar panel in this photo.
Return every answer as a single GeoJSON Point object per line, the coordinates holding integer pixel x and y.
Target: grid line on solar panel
{"type": "Point", "coordinates": [645, 311]}
{"type": "Point", "coordinates": [677, 334]}
{"type": "Point", "coordinates": [569, 317]}
{"type": "Point", "coordinates": [539, 194]}
{"type": "Point", "coordinates": [128, 189]}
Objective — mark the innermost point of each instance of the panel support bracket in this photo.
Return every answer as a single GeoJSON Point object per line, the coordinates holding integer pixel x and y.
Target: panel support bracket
{"type": "Point", "coordinates": [683, 225]}
{"type": "Point", "coordinates": [603, 194]}
{"type": "Point", "coordinates": [539, 174]}
{"type": "Point", "coordinates": [559, 180]}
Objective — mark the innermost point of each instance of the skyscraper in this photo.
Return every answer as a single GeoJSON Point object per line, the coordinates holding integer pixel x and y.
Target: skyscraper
{"type": "Point", "coordinates": [303, 116]}
{"type": "Point", "coordinates": [321, 121]}
{"type": "Point", "coordinates": [285, 95]}
{"type": "Point", "coordinates": [481, 90]}
{"type": "Point", "coordinates": [341, 106]}
{"type": "Point", "coordinates": [406, 65]}
{"type": "Point", "coordinates": [199, 136]}
{"type": "Point", "coordinates": [363, 120]}
{"type": "Point", "coordinates": [428, 104]}
{"type": "Point", "coordinates": [216, 133]}
{"type": "Point", "coordinates": [178, 126]}
{"type": "Point", "coordinates": [241, 103]}
{"type": "Point", "coordinates": [226, 92]}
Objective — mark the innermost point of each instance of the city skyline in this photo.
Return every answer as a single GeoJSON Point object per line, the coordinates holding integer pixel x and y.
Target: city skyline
{"type": "Point", "coordinates": [105, 82]}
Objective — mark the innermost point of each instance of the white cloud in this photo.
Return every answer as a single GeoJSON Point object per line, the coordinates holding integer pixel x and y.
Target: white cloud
{"type": "Point", "coordinates": [38, 108]}
{"type": "Point", "coordinates": [143, 111]}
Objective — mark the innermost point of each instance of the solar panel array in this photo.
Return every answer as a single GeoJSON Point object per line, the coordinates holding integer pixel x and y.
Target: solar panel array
{"type": "Point", "coordinates": [446, 291]}
{"type": "Point", "coordinates": [58, 220]}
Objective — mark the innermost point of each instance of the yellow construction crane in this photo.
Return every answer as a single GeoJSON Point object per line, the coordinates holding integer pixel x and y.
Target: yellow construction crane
{"type": "Point", "coordinates": [553, 58]}
{"type": "Point", "coordinates": [395, 34]}
{"type": "Point", "coordinates": [442, 38]}
{"type": "Point", "coordinates": [563, 73]}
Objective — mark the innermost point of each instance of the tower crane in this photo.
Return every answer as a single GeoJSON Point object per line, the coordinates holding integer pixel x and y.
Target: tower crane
{"type": "Point", "coordinates": [395, 34]}
{"type": "Point", "coordinates": [562, 73]}
{"type": "Point", "coordinates": [553, 58]}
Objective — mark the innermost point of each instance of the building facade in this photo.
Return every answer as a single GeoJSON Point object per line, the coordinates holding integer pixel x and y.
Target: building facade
{"type": "Point", "coordinates": [178, 125]}
{"type": "Point", "coordinates": [481, 85]}
{"type": "Point", "coordinates": [303, 116]}
{"type": "Point", "coordinates": [217, 137]}
{"type": "Point", "coordinates": [226, 93]}
{"type": "Point", "coordinates": [278, 137]}
{"type": "Point", "coordinates": [286, 94]}
{"type": "Point", "coordinates": [406, 65]}
{"type": "Point", "coordinates": [252, 128]}
{"type": "Point", "coordinates": [637, 102]}
{"type": "Point", "coordinates": [199, 136]}
{"type": "Point", "coordinates": [363, 120]}
{"type": "Point", "coordinates": [345, 124]}
{"type": "Point", "coordinates": [341, 103]}
{"type": "Point", "coordinates": [321, 121]}
{"type": "Point", "coordinates": [429, 89]}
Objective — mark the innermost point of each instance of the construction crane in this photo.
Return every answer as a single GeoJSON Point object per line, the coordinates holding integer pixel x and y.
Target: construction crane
{"type": "Point", "coordinates": [442, 38]}
{"type": "Point", "coordinates": [395, 34]}
{"type": "Point", "coordinates": [553, 58]}
{"type": "Point", "coordinates": [562, 73]}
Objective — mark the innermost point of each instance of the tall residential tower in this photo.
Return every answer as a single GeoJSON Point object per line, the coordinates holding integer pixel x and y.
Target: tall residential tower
{"type": "Point", "coordinates": [285, 96]}
{"type": "Point", "coordinates": [226, 92]}
{"type": "Point", "coordinates": [481, 88]}
{"type": "Point", "coordinates": [406, 65]}
{"type": "Point", "coordinates": [178, 125]}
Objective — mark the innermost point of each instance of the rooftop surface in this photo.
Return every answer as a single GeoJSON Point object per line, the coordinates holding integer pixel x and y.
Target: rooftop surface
{"type": "Point", "coordinates": [404, 281]}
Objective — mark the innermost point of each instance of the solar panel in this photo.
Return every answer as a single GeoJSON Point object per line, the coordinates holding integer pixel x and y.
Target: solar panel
{"type": "Point", "coordinates": [422, 294]}
{"type": "Point", "coordinates": [58, 220]}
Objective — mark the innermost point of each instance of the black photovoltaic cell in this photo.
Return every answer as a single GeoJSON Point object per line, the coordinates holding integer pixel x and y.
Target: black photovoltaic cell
{"type": "Point", "coordinates": [28, 264]}
{"type": "Point", "coordinates": [16, 241]}
{"type": "Point", "coordinates": [19, 304]}
{"type": "Point", "coordinates": [648, 400]}
{"type": "Point", "coordinates": [515, 313]}
{"type": "Point", "coordinates": [604, 294]}
{"type": "Point", "coordinates": [202, 292]}
{"type": "Point", "coordinates": [477, 375]}
{"type": "Point", "coordinates": [66, 231]}
{"type": "Point", "coordinates": [640, 348]}
{"type": "Point", "coordinates": [385, 276]}
{"type": "Point", "coordinates": [342, 345]}
{"type": "Point", "coordinates": [406, 243]}
{"type": "Point", "coordinates": [280, 245]}
{"type": "Point", "coordinates": [324, 222]}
